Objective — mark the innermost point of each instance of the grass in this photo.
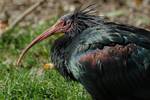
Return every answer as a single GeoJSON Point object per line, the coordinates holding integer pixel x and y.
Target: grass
{"type": "Point", "coordinates": [30, 81]}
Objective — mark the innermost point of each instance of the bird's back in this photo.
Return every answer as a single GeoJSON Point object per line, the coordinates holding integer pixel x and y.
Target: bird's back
{"type": "Point", "coordinates": [112, 61]}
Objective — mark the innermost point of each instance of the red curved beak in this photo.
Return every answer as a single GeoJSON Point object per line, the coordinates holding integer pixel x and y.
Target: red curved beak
{"type": "Point", "coordinates": [58, 27]}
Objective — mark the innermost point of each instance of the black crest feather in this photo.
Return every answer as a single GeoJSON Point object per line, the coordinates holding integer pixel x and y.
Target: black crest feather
{"type": "Point", "coordinates": [88, 10]}
{"type": "Point", "coordinates": [83, 18]}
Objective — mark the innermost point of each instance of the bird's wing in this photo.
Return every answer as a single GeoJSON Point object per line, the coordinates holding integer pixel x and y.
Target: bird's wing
{"type": "Point", "coordinates": [112, 33]}
{"type": "Point", "coordinates": [111, 59]}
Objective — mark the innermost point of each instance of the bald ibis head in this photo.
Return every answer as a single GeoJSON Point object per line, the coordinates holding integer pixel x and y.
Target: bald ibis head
{"type": "Point", "coordinates": [71, 24]}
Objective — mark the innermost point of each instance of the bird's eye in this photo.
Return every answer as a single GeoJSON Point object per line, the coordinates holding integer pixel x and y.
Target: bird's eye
{"type": "Point", "coordinates": [65, 23]}
{"type": "Point", "coordinates": [68, 22]}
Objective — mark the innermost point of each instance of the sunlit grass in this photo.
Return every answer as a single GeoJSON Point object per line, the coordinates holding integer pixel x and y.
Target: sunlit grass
{"type": "Point", "coordinates": [30, 81]}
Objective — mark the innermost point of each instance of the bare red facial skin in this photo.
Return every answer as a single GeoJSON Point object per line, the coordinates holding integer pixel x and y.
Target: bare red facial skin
{"type": "Point", "coordinates": [56, 28]}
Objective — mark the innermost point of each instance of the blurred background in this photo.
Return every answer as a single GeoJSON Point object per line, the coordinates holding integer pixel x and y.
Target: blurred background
{"type": "Point", "coordinates": [22, 20]}
{"type": "Point", "coordinates": [134, 12]}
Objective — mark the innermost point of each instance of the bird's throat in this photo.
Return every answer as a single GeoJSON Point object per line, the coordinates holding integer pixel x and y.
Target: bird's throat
{"type": "Point", "coordinates": [59, 56]}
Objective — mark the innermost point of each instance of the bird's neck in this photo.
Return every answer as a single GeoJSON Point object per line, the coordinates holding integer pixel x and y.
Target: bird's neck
{"type": "Point", "coordinates": [59, 55]}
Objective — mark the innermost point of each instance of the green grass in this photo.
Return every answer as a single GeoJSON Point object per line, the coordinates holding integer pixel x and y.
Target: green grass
{"type": "Point", "coordinates": [29, 81]}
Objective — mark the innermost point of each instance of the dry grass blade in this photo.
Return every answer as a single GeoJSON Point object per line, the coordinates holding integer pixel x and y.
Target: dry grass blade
{"type": "Point", "coordinates": [22, 16]}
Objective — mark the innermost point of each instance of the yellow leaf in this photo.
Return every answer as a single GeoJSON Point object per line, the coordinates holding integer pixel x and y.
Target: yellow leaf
{"type": "Point", "coordinates": [48, 66]}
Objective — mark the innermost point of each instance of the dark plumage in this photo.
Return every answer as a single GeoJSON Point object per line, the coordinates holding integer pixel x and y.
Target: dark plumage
{"type": "Point", "coordinates": [112, 61]}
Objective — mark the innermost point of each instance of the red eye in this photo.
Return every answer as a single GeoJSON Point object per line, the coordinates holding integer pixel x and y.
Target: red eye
{"type": "Point", "coordinates": [65, 23]}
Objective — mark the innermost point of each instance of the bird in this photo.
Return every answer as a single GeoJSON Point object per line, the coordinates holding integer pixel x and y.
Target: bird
{"type": "Point", "coordinates": [110, 60]}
